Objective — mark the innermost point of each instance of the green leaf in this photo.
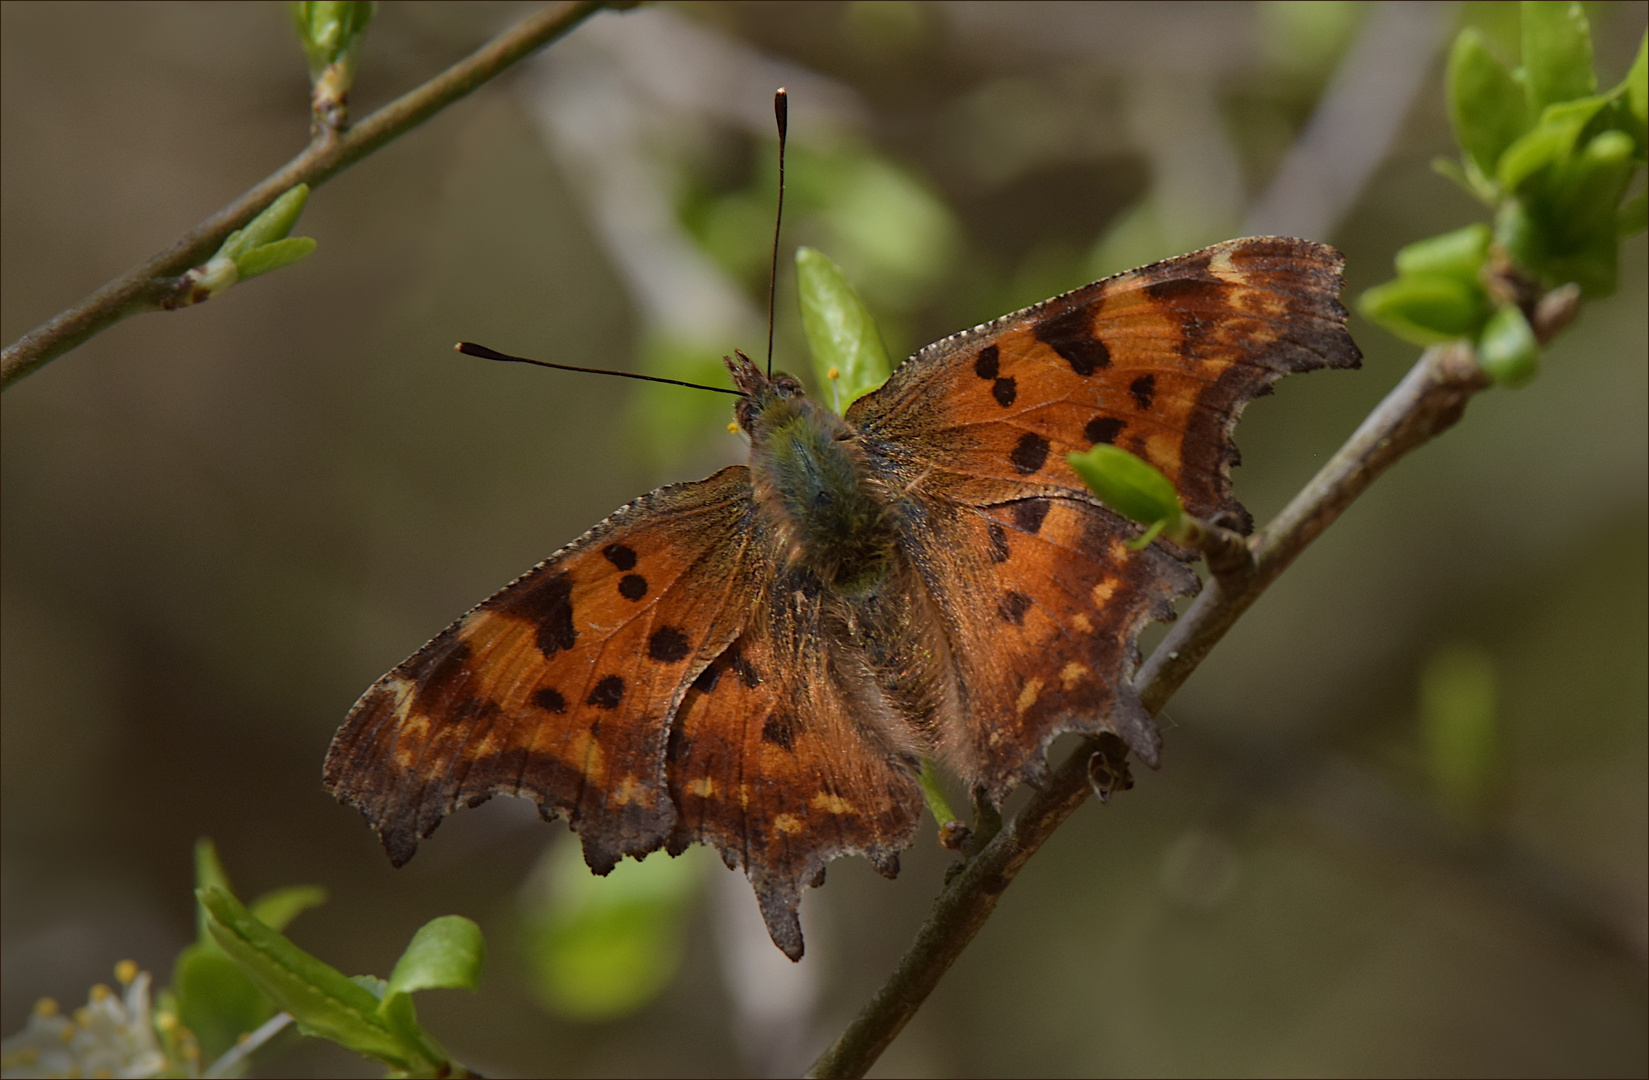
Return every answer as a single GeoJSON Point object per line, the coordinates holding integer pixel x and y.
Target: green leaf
{"type": "Point", "coordinates": [401, 1017]}
{"type": "Point", "coordinates": [1507, 350]}
{"type": "Point", "coordinates": [215, 999]}
{"type": "Point", "coordinates": [271, 224]}
{"type": "Point", "coordinates": [1488, 108]}
{"type": "Point", "coordinates": [848, 355]}
{"type": "Point", "coordinates": [1550, 142]}
{"type": "Point", "coordinates": [1459, 723]}
{"type": "Point", "coordinates": [602, 948]}
{"type": "Point", "coordinates": [1129, 485]}
{"type": "Point", "coordinates": [445, 953]}
{"type": "Point", "coordinates": [1427, 309]}
{"type": "Point", "coordinates": [1460, 253]}
{"type": "Point", "coordinates": [1557, 52]}
{"type": "Point", "coordinates": [323, 1001]}
{"type": "Point", "coordinates": [209, 874]}
{"type": "Point", "coordinates": [276, 909]}
{"type": "Point", "coordinates": [269, 257]}
{"type": "Point", "coordinates": [1634, 92]}
{"type": "Point", "coordinates": [330, 30]}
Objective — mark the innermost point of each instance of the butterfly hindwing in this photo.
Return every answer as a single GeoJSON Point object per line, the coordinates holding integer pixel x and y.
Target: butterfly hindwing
{"type": "Point", "coordinates": [560, 687]}
{"type": "Point", "coordinates": [778, 760]}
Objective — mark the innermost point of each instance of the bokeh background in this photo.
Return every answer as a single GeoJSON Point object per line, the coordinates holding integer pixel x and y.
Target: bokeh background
{"type": "Point", "coordinates": [221, 524]}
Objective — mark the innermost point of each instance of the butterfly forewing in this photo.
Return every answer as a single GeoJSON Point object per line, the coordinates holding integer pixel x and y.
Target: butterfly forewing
{"type": "Point", "coordinates": [1159, 361]}
{"type": "Point", "coordinates": [560, 687]}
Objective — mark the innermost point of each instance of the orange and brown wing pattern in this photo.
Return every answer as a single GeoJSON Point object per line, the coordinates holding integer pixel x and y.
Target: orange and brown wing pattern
{"type": "Point", "coordinates": [1159, 361]}
{"type": "Point", "coordinates": [1043, 603]}
{"type": "Point", "coordinates": [560, 687]}
{"type": "Point", "coordinates": [777, 759]}
{"type": "Point", "coordinates": [1040, 600]}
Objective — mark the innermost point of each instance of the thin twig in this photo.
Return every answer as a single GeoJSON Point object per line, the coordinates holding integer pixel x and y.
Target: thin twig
{"type": "Point", "coordinates": [149, 286]}
{"type": "Point", "coordinates": [1428, 401]}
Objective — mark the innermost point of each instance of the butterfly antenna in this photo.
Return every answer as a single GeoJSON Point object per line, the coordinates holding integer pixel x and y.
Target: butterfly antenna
{"type": "Point", "coordinates": [781, 112]}
{"type": "Point", "coordinates": [469, 348]}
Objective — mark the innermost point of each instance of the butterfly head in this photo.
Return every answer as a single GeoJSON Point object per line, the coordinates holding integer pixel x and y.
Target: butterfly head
{"type": "Point", "coordinates": [766, 399]}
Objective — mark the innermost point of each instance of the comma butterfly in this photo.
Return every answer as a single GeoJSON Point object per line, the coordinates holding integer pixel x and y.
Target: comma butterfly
{"type": "Point", "coordinates": [759, 661]}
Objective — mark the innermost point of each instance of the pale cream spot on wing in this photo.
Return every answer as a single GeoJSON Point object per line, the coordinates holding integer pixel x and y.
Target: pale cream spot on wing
{"type": "Point", "coordinates": [1102, 592]}
{"type": "Point", "coordinates": [1028, 696]}
{"type": "Point", "coordinates": [703, 787]}
{"type": "Point", "coordinates": [1220, 266]}
{"type": "Point", "coordinates": [595, 762]}
{"type": "Point", "coordinates": [1162, 450]}
{"type": "Point", "coordinates": [629, 790]}
{"type": "Point", "coordinates": [787, 824]}
{"type": "Point", "coordinates": [1082, 623]}
{"type": "Point", "coordinates": [831, 804]}
{"type": "Point", "coordinates": [1072, 674]}
{"type": "Point", "coordinates": [1119, 552]}
{"type": "Point", "coordinates": [744, 796]}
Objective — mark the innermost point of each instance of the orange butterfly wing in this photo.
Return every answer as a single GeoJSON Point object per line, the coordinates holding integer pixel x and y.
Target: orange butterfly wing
{"type": "Point", "coordinates": [1040, 599]}
{"type": "Point", "coordinates": [779, 763]}
{"type": "Point", "coordinates": [560, 687]}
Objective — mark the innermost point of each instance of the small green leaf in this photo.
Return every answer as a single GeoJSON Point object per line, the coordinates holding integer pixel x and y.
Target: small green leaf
{"type": "Point", "coordinates": [269, 257]}
{"type": "Point", "coordinates": [215, 999]}
{"type": "Point", "coordinates": [209, 874]}
{"type": "Point", "coordinates": [1557, 52]}
{"type": "Point", "coordinates": [1426, 309]}
{"type": "Point", "coordinates": [1459, 723]}
{"type": "Point", "coordinates": [1460, 253]}
{"type": "Point", "coordinates": [1488, 108]}
{"type": "Point", "coordinates": [1550, 142]}
{"type": "Point", "coordinates": [1507, 351]}
{"type": "Point", "coordinates": [322, 1000]}
{"type": "Point", "coordinates": [1129, 485]}
{"type": "Point", "coordinates": [276, 909]}
{"type": "Point", "coordinates": [445, 953]}
{"type": "Point", "coordinates": [330, 29]}
{"type": "Point", "coordinates": [1589, 191]}
{"type": "Point", "coordinates": [401, 1017]}
{"type": "Point", "coordinates": [271, 224]}
{"type": "Point", "coordinates": [602, 948]}
{"type": "Point", "coordinates": [1634, 90]}
{"type": "Point", "coordinates": [848, 355]}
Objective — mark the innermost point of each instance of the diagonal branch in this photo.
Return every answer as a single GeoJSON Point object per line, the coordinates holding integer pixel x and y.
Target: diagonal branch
{"type": "Point", "coordinates": [149, 286]}
{"type": "Point", "coordinates": [1427, 402]}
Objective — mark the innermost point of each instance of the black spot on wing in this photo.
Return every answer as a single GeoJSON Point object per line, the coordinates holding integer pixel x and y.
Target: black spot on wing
{"type": "Point", "coordinates": [744, 669]}
{"type": "Point", "coordinates": [1029, 453]}
{"type": "Point", "coordinates": [607, 693]}
{"type": "Point", "coordinates": [1028, 514]}
{"type": "Point", "coordinates": [1005, 390]}
{"type": "Point", "coordinates": [632, 586]}
{"type": "Point", "coordinates": [1104, 429]}
{"type": "Point", "coordinates": [985, 365]}
{"type": "Point", "coordinates": [667, 645]}
{"type": "Point", "coordinates": [1143, 389]}
{"type": "Point", "coordinates": [708, 678]}
{"type": "Point", "coordinates": [548, 604]}
{"type": "Point", "coordinates": [550, 700]}
{"type": "Point", "coordinates": [620, 556]}
{"type": "Point", "coordinates": [1071, 335]}
{"type": "Point", "coordinates": [999, 542]}
{"type": "Point", "coordinates": [780, 730]}
{"type": "Point", "coordinates": [1012, 608]}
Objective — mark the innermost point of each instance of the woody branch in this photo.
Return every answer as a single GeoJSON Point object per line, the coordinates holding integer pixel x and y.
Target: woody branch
{"type": "Point", "coordinates": [1428, 401]}
{"type": "Point", "coordinates": [153, 286]}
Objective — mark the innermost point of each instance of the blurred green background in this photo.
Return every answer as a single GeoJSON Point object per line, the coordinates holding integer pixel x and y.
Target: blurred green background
{"type": "Point", "coordinates": [1401, 826]}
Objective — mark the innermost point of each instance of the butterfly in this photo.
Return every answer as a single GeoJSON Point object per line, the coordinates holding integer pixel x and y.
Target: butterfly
{"type": "Point", "coordinates": [761, 660]}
